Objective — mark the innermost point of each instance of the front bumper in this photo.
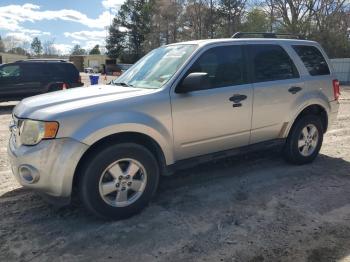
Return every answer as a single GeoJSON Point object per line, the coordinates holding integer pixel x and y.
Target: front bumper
{"type": "Point", "coordinates": [54, 161]}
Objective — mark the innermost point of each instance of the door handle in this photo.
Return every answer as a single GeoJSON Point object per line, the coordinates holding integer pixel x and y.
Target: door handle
{"type": "Point", "coordinates": [237, 98]}
{"type": "Point", "coordinates": [294, 89]}
{"type": "Point", "coordinates": [237, 105]}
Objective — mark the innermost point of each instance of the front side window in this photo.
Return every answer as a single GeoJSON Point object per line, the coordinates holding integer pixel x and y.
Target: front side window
{"type": "Point", "coordinates": [312, 59]}
{"type": "Point", "coordinates": [271, 62]}
{"type": "Point", "coordinates": [157, 67]}
{"type": "Point", "coordinates": [9, 71]}
{"type": "Point", "coordinates": [224, 65]}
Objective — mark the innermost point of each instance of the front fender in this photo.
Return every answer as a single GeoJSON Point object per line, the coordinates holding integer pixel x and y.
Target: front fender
{"type": "Point", "coordinates": [102, 126]}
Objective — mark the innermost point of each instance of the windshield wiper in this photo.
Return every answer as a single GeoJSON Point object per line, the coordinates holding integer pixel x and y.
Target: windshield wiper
{"type": "Point", "coordinates": [122, 84]}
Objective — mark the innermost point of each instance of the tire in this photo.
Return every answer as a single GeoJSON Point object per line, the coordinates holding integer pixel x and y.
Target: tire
{"type": "Point", "coordinates": [54, 87]}
{"type": "Point", "coordinates": [110, 168]}
{"type": "Point", "coordinates": [294, 151]}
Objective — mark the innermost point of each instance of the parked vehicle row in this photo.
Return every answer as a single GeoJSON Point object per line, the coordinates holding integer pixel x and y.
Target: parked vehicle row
{"type": "Point", "coordinates": [180, 105]}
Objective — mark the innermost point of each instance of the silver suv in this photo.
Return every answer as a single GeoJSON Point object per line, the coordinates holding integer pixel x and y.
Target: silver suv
{"type": "Point", "coordinates": [179, 105]}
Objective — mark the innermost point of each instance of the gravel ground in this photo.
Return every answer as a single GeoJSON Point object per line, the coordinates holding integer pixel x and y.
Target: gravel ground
{"type": "Point", "coordinates": [102, 80]}
{"type": "Point", "coordinates": [248, 208]}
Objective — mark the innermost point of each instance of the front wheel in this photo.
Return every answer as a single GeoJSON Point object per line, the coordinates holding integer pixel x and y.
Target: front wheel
{"type": "Point", "coordinates": [119, 181]}
{"type": "Point", "coordinates": [304, 140]}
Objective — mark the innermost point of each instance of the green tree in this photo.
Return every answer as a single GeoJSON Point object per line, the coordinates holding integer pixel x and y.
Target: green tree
{"type": "Point", "coordinates": [77, 50]}
{"type": "Point", "coordinates": [18, 50]}
{"type": "Point", "coordinates": [231, 12]}
{"type": "Point", "coordinates": [115, 42]}
{"type": "Point", "coordinates": [256, 21]}
{"type": "Point", "coordinates": [95, 50]}
{"type": "Point", "coordinates": [135, 16]}
{"type": "Point", "coordinates": [36, 46]}
{"type": "Point", "coordinates": [2, 45]}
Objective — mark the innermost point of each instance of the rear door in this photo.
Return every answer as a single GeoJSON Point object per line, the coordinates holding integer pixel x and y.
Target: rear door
{"type": "Point", "coordinates": [277, 85]}
{"type": "Point", "coordinates": [318, 77]}
{"type": "Point", "coordinates": [32, 79]}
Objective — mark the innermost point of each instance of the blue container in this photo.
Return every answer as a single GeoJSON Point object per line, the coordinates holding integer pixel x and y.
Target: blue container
{"type": "Point", "coordinates": [93, 79]}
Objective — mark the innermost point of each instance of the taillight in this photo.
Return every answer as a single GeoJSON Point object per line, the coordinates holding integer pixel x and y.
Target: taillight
{"type": "Point", "coordinates": [336, 89]}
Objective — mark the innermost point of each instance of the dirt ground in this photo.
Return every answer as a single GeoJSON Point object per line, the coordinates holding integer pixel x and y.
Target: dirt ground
{"type": "Point", "coordinates": [248, 208]}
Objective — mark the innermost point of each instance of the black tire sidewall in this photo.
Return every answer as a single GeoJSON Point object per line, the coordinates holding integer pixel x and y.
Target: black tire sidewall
{"type": "Point", "coordinates": [91, 174]}
{"type": "Point", "coordinates": [291, 149]}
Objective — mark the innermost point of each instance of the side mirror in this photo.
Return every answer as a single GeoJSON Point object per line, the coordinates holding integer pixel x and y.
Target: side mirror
{"type": "Point", "coordinates": [192, 82]}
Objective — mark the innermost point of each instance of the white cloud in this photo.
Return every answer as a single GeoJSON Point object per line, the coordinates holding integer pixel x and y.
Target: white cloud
{"type": "Point", "coordinates": [63, 49]}
{"type": "Point", "coordinates": [112, 3]}
{"type": "Point", "coordinates": [19, 37]}
{"type": "Point", "coordinates": [11, 16]}
{"type": "Point", "coordinates": [87, 35]}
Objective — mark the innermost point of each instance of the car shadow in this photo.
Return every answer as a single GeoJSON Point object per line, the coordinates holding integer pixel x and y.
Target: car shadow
{"type": "Point", "coordinates": [205, 173]}
{"type": "Point", "coordinates": [229, 193]}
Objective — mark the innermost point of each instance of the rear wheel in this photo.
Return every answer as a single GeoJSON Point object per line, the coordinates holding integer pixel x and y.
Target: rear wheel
{"type": "Point", "coordinates": [55, 87]}
{"type": "Point", "coordinates": [304, 140]}
{"type": "Point", "coordinates": [119, 181]}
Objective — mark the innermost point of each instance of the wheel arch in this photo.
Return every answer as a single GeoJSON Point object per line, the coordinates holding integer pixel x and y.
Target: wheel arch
{"type": "Point", "coordinates": [123, 137]}
{"type": "Point", "coordinates": [311, 109]}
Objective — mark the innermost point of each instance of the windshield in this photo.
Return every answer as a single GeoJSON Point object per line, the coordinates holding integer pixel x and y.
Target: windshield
{"type": "Point", "coordinates": [157, 67]}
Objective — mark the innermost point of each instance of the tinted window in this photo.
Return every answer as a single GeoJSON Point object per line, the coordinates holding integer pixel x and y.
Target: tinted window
{"type": "Point", "coordinates": [224, 65]}
{"type": "Point", "coordinates": [70, 69]}
{"type": "Point", "coordinates": [32, 70]}
{"type": "Point", "coordinates": [10, 71]}
{"type": "Point", "coordinates": [271, 62]}
{"type": "Point", "coordinates": [312, 59]}
{"type": "Point", "coordinates": [62, 71]}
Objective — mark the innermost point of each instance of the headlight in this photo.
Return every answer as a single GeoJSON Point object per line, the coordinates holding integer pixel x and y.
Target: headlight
{"type": "Point", "coordinates": [32, 131]}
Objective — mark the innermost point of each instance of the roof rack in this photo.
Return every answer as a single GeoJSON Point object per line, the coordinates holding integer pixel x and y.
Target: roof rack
{"type": "Point", "coordinates": [265, 35]}
{"type": "Point", "coordinates": [42, 60]}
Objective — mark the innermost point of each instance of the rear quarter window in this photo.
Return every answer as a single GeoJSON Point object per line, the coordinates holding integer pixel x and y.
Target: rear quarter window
{"type": "Point", "coordinates": [313, 60]}
{"type": "Point", "coordinates": [64, 70]}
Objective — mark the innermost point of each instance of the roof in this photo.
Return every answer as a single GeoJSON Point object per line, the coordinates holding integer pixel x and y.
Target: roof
{"type": "Point", "coordinates": [203, 42]}
{"type": "Point", "coordinates": [42, 60]}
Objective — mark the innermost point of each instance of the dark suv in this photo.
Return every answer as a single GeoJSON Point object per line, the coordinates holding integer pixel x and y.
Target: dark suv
{"type": "Point", "coordinates": [32, 77]}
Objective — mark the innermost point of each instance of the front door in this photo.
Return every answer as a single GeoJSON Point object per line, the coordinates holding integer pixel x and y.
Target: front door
{"type": "Point", "coordinates": [32, 78]}
{"type": "Point", "coordinates": [217, 117]}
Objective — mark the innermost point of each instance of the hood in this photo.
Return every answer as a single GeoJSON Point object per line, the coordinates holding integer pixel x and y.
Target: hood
{"type": "Point", "coordinates": [43, 107]}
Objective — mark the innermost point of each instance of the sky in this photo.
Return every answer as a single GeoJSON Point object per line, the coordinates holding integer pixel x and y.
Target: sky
{"type": "Point", "coordinates": [66, 22]}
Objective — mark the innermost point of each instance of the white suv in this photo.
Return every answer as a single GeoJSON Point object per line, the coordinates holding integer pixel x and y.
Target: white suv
{"type": "Point", "coordinates": [179, 105]}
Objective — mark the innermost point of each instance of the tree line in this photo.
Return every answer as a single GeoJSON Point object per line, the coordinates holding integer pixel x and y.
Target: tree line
{"type": "Point", "coordinates": [142, 25]}
{"type": "Point", "coordinates": [38, 48]}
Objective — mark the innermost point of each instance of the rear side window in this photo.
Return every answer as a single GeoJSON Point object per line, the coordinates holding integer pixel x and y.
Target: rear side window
{"type": "Point", "coordinates": [224, 65]}
{"type": "Point", "coordinates": [32, 70]}
{"type": "Point", "coordinates": [271, 62]}
{"type": "Point", "coordinates": [312, 59]}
